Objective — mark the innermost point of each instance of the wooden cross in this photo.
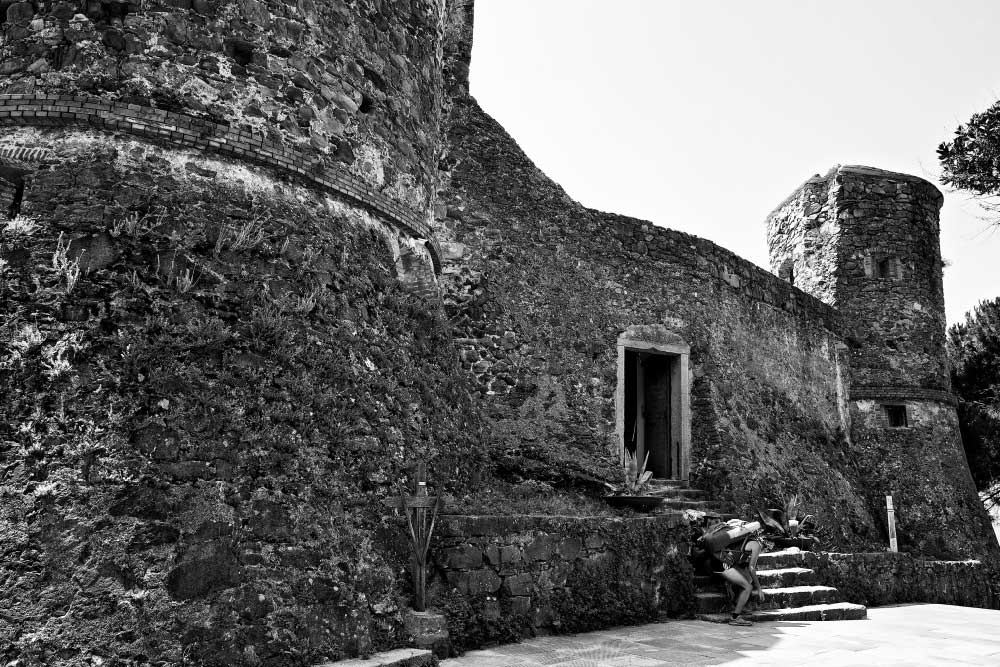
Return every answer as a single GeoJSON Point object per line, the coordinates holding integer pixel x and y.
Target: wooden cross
{"type": "Point", "coordinates": [421, 524]}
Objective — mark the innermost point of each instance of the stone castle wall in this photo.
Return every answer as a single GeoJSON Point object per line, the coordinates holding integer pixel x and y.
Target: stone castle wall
{"type": "Point", "coordinates": [198, 425]}
{"type": "Point", "coordinates": [216, 361]}
{"type": "Point", "coordinates": [213, 363]}
{"type": "Point", "coordinates": [540, 288]}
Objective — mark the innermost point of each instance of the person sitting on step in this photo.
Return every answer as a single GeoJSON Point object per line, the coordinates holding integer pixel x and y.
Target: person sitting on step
{"type": "Point", "coordinates": [731, 550]}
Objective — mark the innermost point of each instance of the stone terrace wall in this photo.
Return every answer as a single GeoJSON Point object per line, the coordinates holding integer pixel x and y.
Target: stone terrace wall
{"type": "Point", "coordinates": [541, 287]}
{"type": "Point", "coordinates": [357, 83]}
{"type": "Point", "coordinates": [883, 578]}
{"type": "Point", "coordinates": [501, 578]}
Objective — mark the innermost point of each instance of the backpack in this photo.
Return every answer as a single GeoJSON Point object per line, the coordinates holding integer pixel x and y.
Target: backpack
{"type": "Point", "coordinates": [715, 537]}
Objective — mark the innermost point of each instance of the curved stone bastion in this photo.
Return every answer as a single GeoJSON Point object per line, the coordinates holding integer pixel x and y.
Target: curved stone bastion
{"type": "Point", "coordinates": [216, 351]}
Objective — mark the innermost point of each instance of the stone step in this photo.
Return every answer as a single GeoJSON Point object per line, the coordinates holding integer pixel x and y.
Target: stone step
{"type": "Point", "coordinates": [718, 600]}
{"type": "Point", "coordinates": [785, 576]}
{"type": "Point", "coordinates": [783, 558]}
{"type": "Point", "coordinates": [711, 602]}
{"type": "Point", "coordinates": [676, 492]}
{"type": "Point", "coordinates": [659, 482]}
{"type": "Point", "coordinates": [780, 578]}
{"type": "Point", "coordinates": [798, 596]}
{"type": "Point", "coordinates": [835, 611]}
{"type": "Point", "coordinates": [692, 504]}
{"type": "Point", "coordinates": [401, 657]}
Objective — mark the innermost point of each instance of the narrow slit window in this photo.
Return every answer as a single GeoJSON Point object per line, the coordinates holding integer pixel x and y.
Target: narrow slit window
{"type": "Point", "coordinates": [895, 416]}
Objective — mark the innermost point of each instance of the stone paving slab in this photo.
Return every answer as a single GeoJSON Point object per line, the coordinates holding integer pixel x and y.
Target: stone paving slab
{"type": "Point", "coordinates": [918, 634]}
{"type": "Point", "coordinates": [402, 657]}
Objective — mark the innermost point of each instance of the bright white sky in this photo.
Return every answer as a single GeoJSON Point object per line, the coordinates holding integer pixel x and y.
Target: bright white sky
{"type": "Point", "coordinates": [704, 115]}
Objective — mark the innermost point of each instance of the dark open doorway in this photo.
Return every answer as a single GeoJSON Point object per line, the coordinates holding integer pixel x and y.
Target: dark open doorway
{"type": "Point", "coordinates": [648, 410]}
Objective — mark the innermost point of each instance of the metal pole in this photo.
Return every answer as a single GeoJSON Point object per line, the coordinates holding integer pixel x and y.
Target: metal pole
{"type": "Point", "coordinates": [892, 524]}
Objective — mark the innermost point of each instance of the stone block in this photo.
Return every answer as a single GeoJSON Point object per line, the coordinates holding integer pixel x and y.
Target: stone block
{"type": "Point", "coordinates": [187, 470]}
{"type": "Point", "coordinates": [489, 609]}
{"type": "Point", "coordinates": [94, 252]}
{"type": "Point", "coordinates": [217, 569]}
{"type": "Point", "coordinates": [540, 548]}
{"type": "Point", "coordinates": [474, 582]}
{"type": "Point", "coordinates": [492, 554]}
{"type": "Point", "coordinates": [570, 547]}
{"type": "Point", "coordinates": [428, 630]}
{"type": "Point", "coordinates": [541, 615]}
{"type": "Point", "coordinates": [464, 557]}
{"type": "Point", "coordinates": [558, 573]}
{"type": "Point", "coordinates": [510, 554]}
{"type": "Point", "coordinates": [519, 584]}
{"type": "Point", "coordinates": [519, 605]}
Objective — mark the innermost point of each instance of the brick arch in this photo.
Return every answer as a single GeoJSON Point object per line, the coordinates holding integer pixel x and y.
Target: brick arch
{"type": "Point", "coordinates": [183, 130]}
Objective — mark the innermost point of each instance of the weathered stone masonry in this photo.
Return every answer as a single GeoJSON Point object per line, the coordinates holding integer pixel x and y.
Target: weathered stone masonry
{"type": "Point", "coordinates": [867, 242]}
{"type": "Point", "coordinates": [190, 132]}
{"type": "Point", "coordinates": [197, 427]}
{"type": "Point", "coordinates": [499, 578]}
{"type": "Point", "coordinates": [541, 289]}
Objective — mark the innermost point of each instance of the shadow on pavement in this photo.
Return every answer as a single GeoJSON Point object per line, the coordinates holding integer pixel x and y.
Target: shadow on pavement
{"type": "Point", "coordinates": [687, 642]}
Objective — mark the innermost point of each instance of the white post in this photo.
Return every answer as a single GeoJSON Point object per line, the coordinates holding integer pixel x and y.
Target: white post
{"type": "Point", "coordinates": [892, 524]}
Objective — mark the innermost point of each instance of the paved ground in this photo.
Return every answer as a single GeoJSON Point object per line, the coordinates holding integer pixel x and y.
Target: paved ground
{"type": "Point", "coordinates": [926, 634]}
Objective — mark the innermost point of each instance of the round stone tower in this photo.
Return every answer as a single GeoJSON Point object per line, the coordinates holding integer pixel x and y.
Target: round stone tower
{"type": "Point", "coordinates": [867, 242]}
{"type": "Point", "coordinates": [212, 364]}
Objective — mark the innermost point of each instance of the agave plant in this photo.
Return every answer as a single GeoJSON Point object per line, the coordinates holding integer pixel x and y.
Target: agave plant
{"type": "Point", "coordinates": [790, 521]}
{"type": "Point", "coordinates": [636, 477]}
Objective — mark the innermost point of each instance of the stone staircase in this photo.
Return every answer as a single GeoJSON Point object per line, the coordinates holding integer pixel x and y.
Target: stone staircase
{"type": "Point", "coordinates": [791, 593]}
{"type": "Point", "coordinates": [678, 497]}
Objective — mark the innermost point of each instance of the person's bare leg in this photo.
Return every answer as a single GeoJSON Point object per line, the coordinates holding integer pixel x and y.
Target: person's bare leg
{"type": "Point", "coordinates": [754, 548]}
{"type": "Point", "coordinates": [733, 576]}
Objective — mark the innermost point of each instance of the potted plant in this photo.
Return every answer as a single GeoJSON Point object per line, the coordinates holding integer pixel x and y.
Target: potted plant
{"type": "Point", "coordinates": [790, 526]}
{"type": "Point", "coordinates": [632, 492]}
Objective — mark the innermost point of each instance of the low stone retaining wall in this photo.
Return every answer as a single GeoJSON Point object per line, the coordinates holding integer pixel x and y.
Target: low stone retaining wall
{"type": "Point", "coordinates": [501, 578]}
{"type": "Point", "coordinates": [876, 579]}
